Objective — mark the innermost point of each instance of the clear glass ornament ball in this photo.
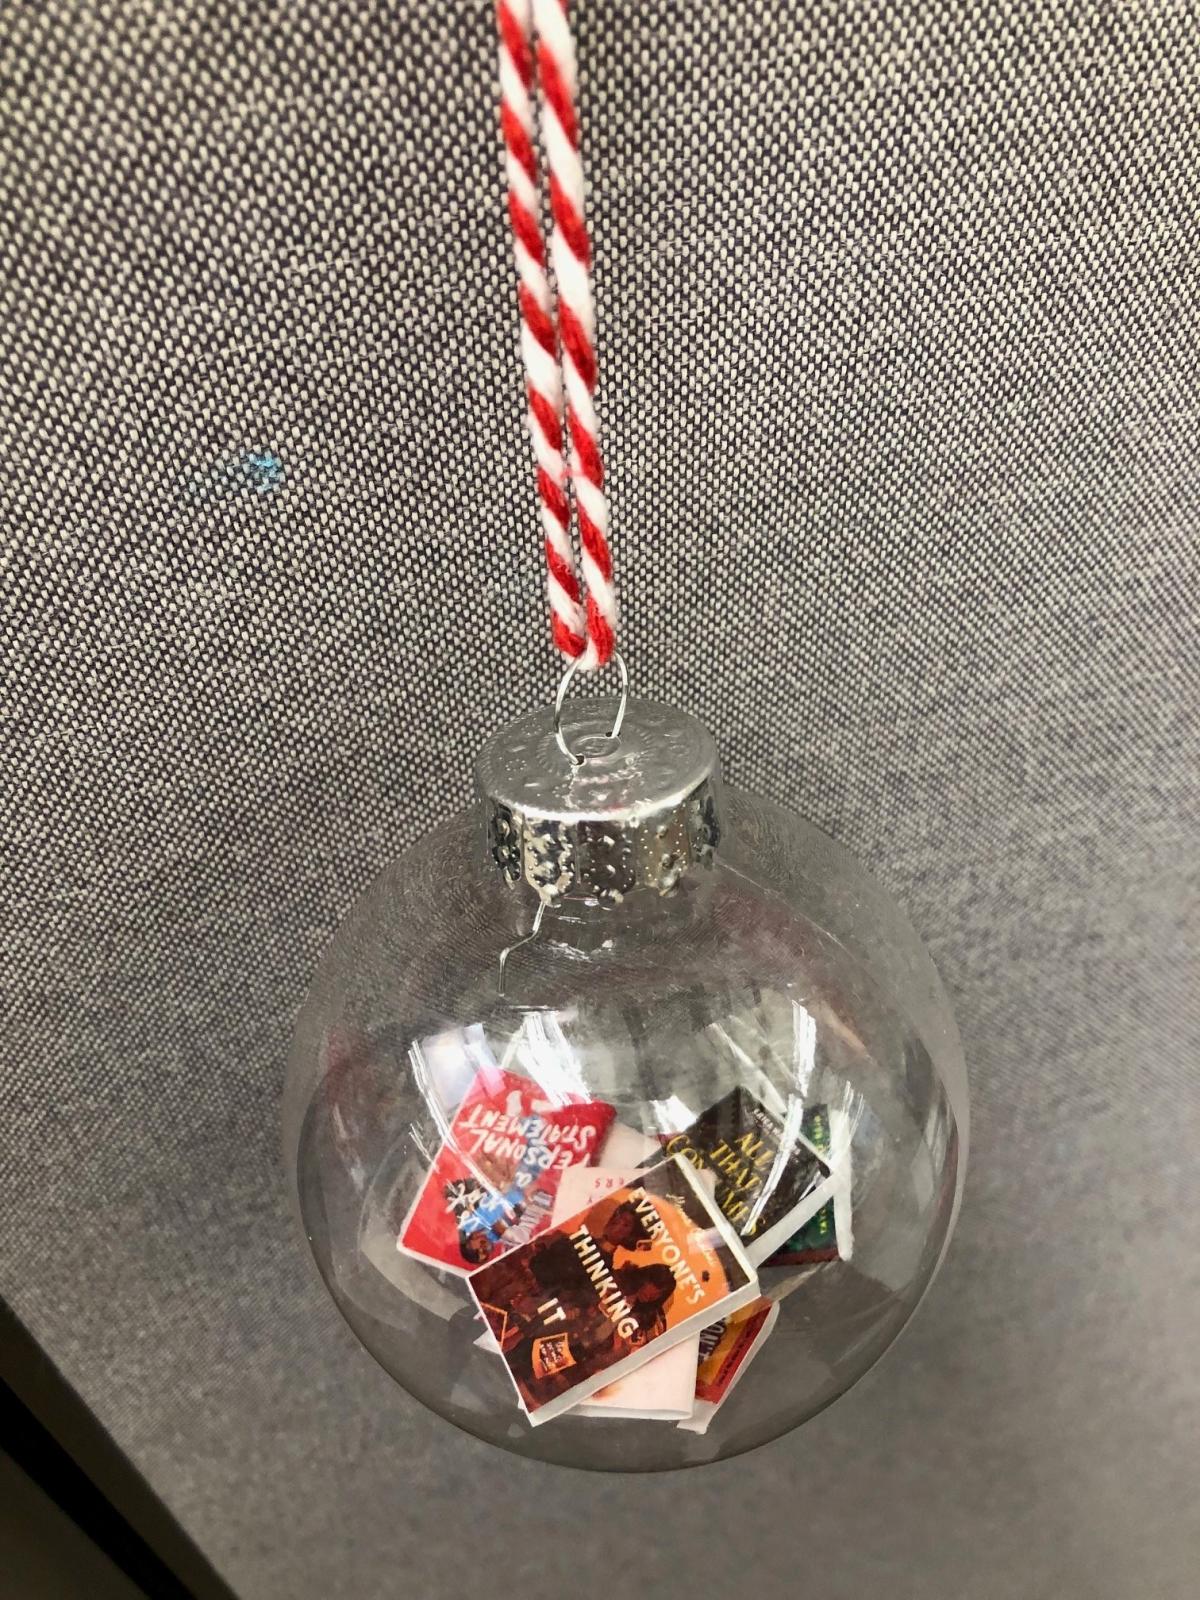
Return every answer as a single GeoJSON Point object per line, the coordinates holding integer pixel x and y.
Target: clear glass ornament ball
{"type": "Point", "coordinates": [745, 954]}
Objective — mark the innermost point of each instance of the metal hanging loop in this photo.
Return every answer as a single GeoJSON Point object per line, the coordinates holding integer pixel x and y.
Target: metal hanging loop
{"type": "Point", "coordinates": [572, 756]}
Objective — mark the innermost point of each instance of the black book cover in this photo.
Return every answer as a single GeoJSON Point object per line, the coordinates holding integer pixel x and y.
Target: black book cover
{"type": "Point", "coordinates": [769, 1178]}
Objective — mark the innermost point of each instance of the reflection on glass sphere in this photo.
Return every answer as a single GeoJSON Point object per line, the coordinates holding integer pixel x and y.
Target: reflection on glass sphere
{"type": "Point", "coordinates": [780, 973]}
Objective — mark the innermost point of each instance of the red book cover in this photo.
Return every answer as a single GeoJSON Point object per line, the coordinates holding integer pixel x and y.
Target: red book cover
{"type": "Point", "coordinates": [492, 1184]}
{"type": "Point", "coordinates": [726, 1350]}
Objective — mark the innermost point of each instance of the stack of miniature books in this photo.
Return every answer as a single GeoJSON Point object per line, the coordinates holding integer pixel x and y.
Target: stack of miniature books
{"type": "Point", "coordinates": [619, 1274]}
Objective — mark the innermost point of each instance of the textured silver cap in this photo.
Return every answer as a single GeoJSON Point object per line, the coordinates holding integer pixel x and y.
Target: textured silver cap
{"type": "Point", "coordinates": [640, 811]}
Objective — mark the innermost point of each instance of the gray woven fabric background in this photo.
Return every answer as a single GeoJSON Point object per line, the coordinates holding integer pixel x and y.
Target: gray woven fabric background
{"type": "Point", "coordinates": [899, 365]}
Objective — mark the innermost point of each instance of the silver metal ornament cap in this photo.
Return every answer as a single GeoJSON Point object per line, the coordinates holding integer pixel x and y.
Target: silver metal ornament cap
{"type": "Point", "coordinates": [579, 813]}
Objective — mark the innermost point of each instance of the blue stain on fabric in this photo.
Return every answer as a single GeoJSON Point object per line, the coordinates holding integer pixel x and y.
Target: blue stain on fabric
{"type": "Point", "coordinates": [254, 472]}
{"type": "Point", "coordinates": [261, 474]}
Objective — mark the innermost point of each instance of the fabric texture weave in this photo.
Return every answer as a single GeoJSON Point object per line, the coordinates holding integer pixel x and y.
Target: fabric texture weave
{"type": "Point", "coordinates": [898, 334]}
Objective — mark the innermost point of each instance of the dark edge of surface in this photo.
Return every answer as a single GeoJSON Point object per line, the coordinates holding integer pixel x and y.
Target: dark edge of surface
{"type": "Point", "coordinates": [49, 1431]}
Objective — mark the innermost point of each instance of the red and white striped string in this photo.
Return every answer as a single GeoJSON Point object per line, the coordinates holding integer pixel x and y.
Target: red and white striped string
{"type": "Point", "coordinates": [558, 350]}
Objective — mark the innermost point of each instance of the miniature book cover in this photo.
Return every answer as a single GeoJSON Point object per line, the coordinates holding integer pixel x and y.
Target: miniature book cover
{"type": "Point", "coordinates": [491, 1186]}
{"type": "Point", "coordinates": [815, 1240]}
{"type": "Point", "coordinates": [726, 1350]}
{"type": "Point", "coordinates": [596, 1296]}
{"type": "Point", "coordinates": [769, 1178]}
{"type": "Point", "coordinates": [627, 1147]}
{"type": "Point", "coordinates": [664, 1389]}
{"type": "Point", "coordinates": [811, 1244]}
{"type": "Point", "coordinates": [841, 1137]}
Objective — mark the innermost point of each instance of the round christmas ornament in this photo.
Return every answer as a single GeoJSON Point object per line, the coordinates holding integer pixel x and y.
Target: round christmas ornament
{"type": "Point", "coordinates": [627, 1115]}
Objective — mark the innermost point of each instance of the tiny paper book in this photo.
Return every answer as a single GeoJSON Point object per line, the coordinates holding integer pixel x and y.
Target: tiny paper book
{"type": "Point", "coordinates": [626, 1147]}
{"type": "Point", "coordinates": [664, 1389]}
{"type": "Point", "coordinates": [492, 1183]}
{"type": "Point", "coordinates": [726, 1350]}
{"type": "Point", "coordinates": [598, 1295]}
{"type": "Point", "coordinates": [769, 1178]}
{"type": "Point", "coordinates": [828, 1234]}
{"type": "Point", "coordinates": [841, 1134]}
{"type": "Point", "coordinates": [445, 1065]}
{"type": "Point", "coordinates": [816, 1239]}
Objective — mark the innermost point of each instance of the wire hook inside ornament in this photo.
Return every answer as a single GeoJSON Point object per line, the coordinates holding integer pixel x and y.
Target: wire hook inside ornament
{"type": "Point", "coordinates": [509, 949]}
{"type": "Point", "coordinates": [572, 756]}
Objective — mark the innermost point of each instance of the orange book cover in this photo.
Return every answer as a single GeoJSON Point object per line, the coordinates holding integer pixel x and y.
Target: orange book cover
{"type": "Point", "coordinates": [595, 1296]}
{"type": "Point", "coordinates": [664, 1388]}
